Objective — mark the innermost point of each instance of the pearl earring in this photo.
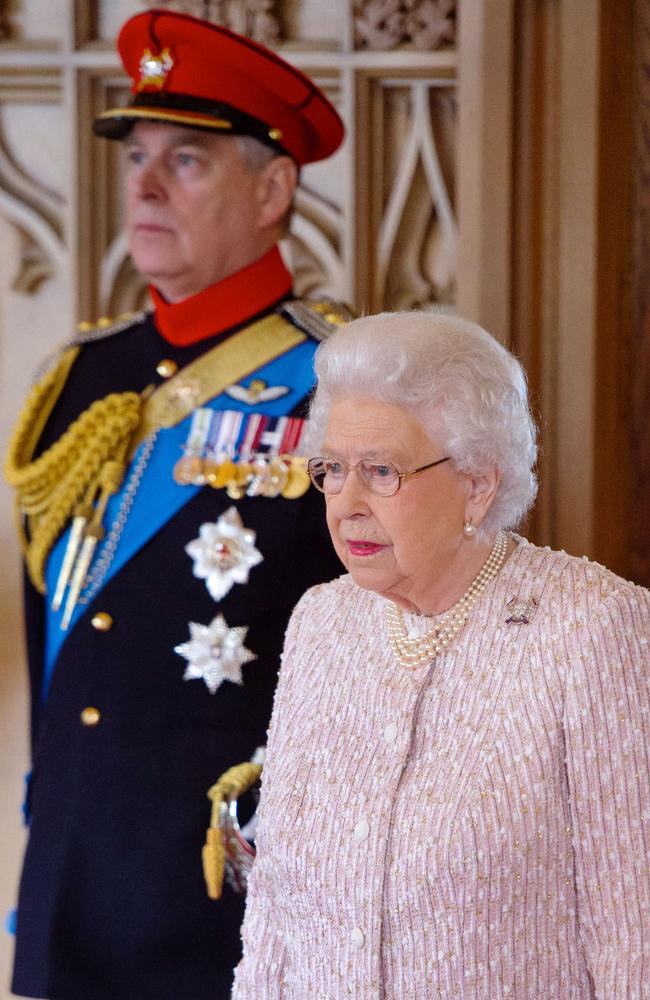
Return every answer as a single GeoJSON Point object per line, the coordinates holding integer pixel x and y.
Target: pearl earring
{"type": "Point", "coordinates": [469, 529]}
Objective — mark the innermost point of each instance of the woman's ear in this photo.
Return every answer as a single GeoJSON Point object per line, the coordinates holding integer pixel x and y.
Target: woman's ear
{"type": "Point", "coordinates": [277, 185]}
{"type": "Point", "coordinates": [482, 491]}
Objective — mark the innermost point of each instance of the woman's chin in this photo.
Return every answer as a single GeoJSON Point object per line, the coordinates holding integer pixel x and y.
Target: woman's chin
{"type": "Point", "coordinates": [367, 576]}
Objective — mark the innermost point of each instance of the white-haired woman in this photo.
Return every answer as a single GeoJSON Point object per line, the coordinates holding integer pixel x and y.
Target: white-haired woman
{"type": "Point", "coordinates": [456, 798]}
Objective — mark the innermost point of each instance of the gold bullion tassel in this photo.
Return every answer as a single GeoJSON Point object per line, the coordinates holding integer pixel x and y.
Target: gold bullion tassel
{"type": "Point", "coordinates": [110, 480]}
{"type": "Point", "coordinates": [233, 783]}
{"type": "Point", "coordinates": [214, 858]}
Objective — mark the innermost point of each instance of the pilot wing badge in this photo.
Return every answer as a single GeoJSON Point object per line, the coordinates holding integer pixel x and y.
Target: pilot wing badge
{"type": "Point", "coordinates": [256, 392]}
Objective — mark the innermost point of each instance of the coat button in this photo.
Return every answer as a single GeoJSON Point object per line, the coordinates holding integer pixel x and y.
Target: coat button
{"type": "Point", "coordinates": [166, 368]}
{"type": "Point", "coordinates": [102, 621]}
{"type": "Point", "coordinates": [91, 716]}
{"type": "Point", "coordinates": [361, 830]}
{"type": "Point", "coordinates": [357, 939]}
{"type": "Point", "coordinates": [390, 732]}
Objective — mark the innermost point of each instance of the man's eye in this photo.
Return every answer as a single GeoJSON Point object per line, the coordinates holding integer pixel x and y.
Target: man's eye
{"type": "Point", "coordinates": [135, 156]}
{"type": "Point", "coordinates": [186, 159]}
{"type": "Point", "coordinates": [334, 468]}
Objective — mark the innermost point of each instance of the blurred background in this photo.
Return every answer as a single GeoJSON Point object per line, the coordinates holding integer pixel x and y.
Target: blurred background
{"type": "Point", "coordinates": [497, 164]}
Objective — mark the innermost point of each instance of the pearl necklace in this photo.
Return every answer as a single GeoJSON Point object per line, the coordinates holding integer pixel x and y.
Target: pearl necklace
{"type": "Point", "coordinates": [423, 649]}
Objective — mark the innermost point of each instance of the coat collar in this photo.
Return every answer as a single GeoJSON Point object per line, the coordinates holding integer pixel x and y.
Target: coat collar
{"type": "Point", "coordinates": [229, 303]}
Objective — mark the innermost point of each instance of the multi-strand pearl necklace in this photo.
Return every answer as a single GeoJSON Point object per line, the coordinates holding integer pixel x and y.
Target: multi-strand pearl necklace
{"type": "Point", "coordinates": [422, 649]}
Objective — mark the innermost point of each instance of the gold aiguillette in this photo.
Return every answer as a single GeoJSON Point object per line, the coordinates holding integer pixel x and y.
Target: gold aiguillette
{"type": "Point", "coordinates": [82, 565]}
{"type": "Point", "coordinates": [88, 533]}
{"type": "Point", "coordinates": [72, 548]}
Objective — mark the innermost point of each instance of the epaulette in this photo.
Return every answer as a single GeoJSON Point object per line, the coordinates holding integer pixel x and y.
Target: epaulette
{"type": "Point", "coordinates": [87, 332]}
{"type": "Point", "coordinates": [317, 318]}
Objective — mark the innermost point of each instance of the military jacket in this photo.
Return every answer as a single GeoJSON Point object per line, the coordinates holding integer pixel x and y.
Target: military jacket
{"type": "Point", "coordinates": [112, 901]}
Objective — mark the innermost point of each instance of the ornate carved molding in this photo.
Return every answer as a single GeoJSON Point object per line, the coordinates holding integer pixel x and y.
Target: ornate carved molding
{"type": "Point", "coordinates": [254, 18]}
{"type": "Point", "coordinates": [35, 264]}
{"type": "Point", "coordinates": [313, 247]}
{"type": "Point", "coordinates": [36, 213]}
{"type": "Point", "coordinates": [406, 226]}
{"type": "Point", "coordinates": [420, 24]}
{"type": "Point", "coordinates": [421, 268]}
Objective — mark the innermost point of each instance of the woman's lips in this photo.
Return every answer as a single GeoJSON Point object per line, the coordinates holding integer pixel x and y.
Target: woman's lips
{"type": "Point", "coordinates": [356, 548]}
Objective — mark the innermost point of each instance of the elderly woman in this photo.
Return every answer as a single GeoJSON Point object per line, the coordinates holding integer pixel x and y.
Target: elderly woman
{"type": "Point", "coordinates": [456, 798]}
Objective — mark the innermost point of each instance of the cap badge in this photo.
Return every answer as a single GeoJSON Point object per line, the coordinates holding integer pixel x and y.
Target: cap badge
{"type": "Point", "coordinates": [154, 69]}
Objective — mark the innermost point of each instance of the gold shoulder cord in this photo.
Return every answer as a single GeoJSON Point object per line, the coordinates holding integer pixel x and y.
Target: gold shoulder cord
{"type": "Point", "coordinates": [74, 479]}
{"type": "Point", "coordinates": [230, 786]}
{"type": "Point", "coordinates": [64, 482]}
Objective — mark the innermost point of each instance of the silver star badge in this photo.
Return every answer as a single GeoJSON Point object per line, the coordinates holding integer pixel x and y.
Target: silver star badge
{"type": "Point", "coordinates": [223, 553]}
{"type": "Point", "coordinates": [215, 653]}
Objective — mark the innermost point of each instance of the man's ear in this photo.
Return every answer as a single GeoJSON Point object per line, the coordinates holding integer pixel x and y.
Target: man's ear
{"type": "Point", "coordinates": [481, 494]}
{"type": "Point", "coordinates": [277, 185]}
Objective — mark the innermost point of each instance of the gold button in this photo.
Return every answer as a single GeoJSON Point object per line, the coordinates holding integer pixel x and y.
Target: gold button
{"type": "Point", "coordinates": [104, 321]}
{"type": "Point", "coordinates": [84, 326]}
{"type": "Point", "coordinates": [91, 716]}
{"type": "Point", "coordinates": [166, 368]}
{"type": "Point", "coordinates": [102, 621]}
{"type": "Point", "coordinates": [275, 134]}
{"type": "Point", "coordinates": [333, 318]}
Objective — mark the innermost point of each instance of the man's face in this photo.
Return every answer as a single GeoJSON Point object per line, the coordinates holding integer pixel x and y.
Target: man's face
{"type": "Point", "coordinates": [194, 209]}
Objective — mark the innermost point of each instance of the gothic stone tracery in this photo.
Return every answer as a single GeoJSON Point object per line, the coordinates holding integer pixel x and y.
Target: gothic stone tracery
{"type": "Point", "coordinates": [422, 24]}
{"type": "Point", "coordinates": [255, 18]}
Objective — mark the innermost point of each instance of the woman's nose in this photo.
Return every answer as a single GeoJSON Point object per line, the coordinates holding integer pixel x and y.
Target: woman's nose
{"type": "Point", "coordinates": [352, 499]}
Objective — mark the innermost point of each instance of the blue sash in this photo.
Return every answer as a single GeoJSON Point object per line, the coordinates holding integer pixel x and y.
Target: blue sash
{"type": "Point", "coordinates": [159, 497]}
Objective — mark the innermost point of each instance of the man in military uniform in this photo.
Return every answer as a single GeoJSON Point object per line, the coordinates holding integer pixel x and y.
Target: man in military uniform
{"type": "Point", "coordinates": [169, 529]}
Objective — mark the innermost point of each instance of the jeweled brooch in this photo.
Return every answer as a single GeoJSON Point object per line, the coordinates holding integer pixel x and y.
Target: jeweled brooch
{"type": "Point", "coordinates": [521, 612]}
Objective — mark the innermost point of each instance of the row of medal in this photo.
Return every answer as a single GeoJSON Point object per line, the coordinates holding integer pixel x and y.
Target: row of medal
{"type": "Point", "coordinates": [246, 454]}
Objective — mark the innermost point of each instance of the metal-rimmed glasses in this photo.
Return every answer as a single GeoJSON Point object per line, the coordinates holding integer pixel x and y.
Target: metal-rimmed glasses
{"type": "Point", "coordinates": [381, 478]}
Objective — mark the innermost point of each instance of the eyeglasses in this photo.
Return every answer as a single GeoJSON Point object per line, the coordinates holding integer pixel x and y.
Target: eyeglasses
{"type": "Point", "coordinates": [381, 478]}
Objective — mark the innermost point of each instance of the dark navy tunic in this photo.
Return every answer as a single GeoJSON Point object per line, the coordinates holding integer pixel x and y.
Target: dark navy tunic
{"type": "Point", "coordinates": [112, 901]}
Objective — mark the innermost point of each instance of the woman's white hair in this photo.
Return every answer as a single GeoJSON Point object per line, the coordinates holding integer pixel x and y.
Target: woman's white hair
{"type": "Point", "coordinates": [467, 391]}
